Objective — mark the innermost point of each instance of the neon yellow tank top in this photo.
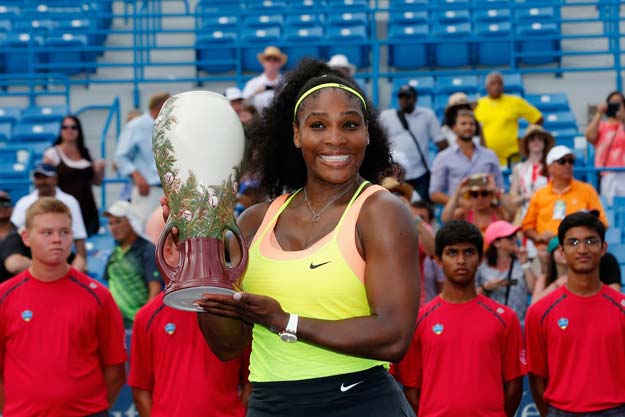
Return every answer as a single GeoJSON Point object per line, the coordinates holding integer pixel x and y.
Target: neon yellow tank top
{"type": "Point", "coordinates": [324, 281]}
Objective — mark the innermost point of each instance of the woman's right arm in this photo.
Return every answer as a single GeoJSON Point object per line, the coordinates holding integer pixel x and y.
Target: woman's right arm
{"type": "Point", "coordinates": [51, 156]}
{"type": "Point", "coordinates": [592, 131]}
{"type": "Point", "coordinates": [228, 337]}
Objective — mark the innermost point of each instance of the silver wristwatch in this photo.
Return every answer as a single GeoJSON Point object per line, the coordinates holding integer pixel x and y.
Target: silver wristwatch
{"type": "Point", "coordinates": [289, 335]}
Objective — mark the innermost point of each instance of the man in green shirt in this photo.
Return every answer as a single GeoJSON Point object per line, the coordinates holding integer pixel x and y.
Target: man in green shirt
{"type": "Point", "coordinates": [131, 269]}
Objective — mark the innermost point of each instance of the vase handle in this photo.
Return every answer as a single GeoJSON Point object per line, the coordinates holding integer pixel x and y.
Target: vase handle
{"type": "Point", "coordinates": [237, 271]}
{"type": "Point", "coordinates": [167, 270]}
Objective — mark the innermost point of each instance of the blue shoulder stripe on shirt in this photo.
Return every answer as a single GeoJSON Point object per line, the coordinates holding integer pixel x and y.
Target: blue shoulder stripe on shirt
{"type": "Point", "coordinates": [491, 311]}
{"type": "Point", "coordinates": [153, 316]}
{"type": "Point", "coordinates": [427, 313]}
{"type": "Point", "coordinates": [13, 288]}
{"type": "Point", "coordinates": [555, 303]}
{"type": "Point", "coordinates": [613, 301]}
{"type": "Point", "coordinates": [75, 280]}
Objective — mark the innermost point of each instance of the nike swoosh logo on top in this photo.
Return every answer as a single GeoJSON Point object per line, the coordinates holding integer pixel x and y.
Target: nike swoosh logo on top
{"type": "Point", "coordinates": [347, 388]}
{"type": "Point", "coordinates": [313, 266]}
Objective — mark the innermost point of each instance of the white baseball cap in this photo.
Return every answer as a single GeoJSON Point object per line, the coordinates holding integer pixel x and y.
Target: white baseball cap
{"type": "Point", "coordinates": [558, 152]}
{"type": "Point", "coordinates": [233, 93]}
{"type": "Point", "coordinates": [122, 208]}
{"type": "Point", "coordinates": [341, 61]}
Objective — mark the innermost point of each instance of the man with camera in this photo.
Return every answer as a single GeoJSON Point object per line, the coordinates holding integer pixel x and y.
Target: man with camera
{"type": "Point", "coordinates": [260, 90]}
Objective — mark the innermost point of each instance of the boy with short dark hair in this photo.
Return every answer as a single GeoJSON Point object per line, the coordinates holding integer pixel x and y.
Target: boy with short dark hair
{"type": "Point", "coordinates": [62, 338]}
{"type": "Point", "coordinates": [466, 357]}
{"type": "Point", "coordinates": [575, 336]}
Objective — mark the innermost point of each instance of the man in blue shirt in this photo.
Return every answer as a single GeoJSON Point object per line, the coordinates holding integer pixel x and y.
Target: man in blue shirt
{"type": "Point", "coordinates": [134, 158]}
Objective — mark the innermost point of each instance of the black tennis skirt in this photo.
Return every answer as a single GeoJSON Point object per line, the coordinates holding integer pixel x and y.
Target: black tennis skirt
{"type": "Point", "coordinates": [369, 393]}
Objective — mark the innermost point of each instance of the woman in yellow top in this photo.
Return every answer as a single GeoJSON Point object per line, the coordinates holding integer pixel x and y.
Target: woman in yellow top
{"type": "Point", "coordinates": [332, 286]}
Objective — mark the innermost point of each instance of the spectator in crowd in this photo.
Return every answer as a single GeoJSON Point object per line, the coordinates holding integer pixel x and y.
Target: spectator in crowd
{"type": "Point", "coordinates": [14, 255]}
{"type": "Point", "coordinates": [235, 97]}
{"type": "Point", "coordinates": [506, 275]}
{"type": "Point", "coordinates": [134, 158]}
{"type": "Point", "coordinates": [466, 356]}
{"type": "Point", "coordinates": [556, 270]}
{"type": "Point", "coordinates": [261, 89]}
{"type": "Point", "coordinates": [462, 160]}
{"type": "Point", "coordinates": [499, 115]}
{"type": "Point", "coordinates": [478, 201]}
{"type": "Point", "coordinates": [411, 129]}
{"type": "Point", "coordinates": [608, 136]}
{"type": "Point", "coordinates": [456, 102]}
{"type": "Point", "coordinates": [319, 136]}
{"type": "Point", "coordinates": [575, 335]}
{"type": "Point", "coordinates": [341, 63]}
{"type": "Point", "coordinates": [62, 338]}
{"type": "Point", "coordinates": [173, 371]}
{"type": "Point", "coordinates": [45, 180]}
{"type": "Point", "coordinates": [131, 268]}
{"type": "Point", "coordinates": [433, 276]}
{"type": "Point", "coordinates": [76, 170]}
{"type": "Point", "coordinates": [561, 196]}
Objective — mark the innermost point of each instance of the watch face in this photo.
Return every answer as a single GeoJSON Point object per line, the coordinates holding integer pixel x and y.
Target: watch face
{"type": "Point", "coordinates": [288, 337]}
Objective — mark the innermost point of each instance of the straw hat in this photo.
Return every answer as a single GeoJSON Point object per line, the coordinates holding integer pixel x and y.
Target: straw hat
{"type": "Point", "coordinates": [457, 100]}
{"type": "Point", "coordinates": [272, 51]}
{"type": "Point", "coordinates": [395, 186]}
{"type": "Point", "coordinates": [535, 130]}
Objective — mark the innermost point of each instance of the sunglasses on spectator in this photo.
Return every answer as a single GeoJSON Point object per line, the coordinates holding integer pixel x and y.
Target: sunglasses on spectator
{"type": "Point", "coordinates": [566, 160]}
{"type": "Point", "coordinates": [5, 203]}
{"type": "Point", "coordinates": [69, 127]}
{"type": "Point", "coordinates": [476, 194]}
{"type": "Point", "coordinates": [272, 59]}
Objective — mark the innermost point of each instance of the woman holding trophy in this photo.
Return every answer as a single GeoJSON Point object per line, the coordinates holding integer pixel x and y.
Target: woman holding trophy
{"type": "Point", "coordinates": [330, 294]}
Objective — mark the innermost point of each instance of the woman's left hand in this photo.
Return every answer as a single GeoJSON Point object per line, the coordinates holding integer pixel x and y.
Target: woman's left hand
{"type": "Point", "coordinates": [250, 308]}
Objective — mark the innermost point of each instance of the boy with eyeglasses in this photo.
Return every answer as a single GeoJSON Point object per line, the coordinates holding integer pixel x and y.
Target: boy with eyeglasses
{"type": "Point", "coordinates": [575, 336]}
{"type": "Point", "coordinates": [562, 196]}
{"type": "Point", "coordinates": [466, 357]}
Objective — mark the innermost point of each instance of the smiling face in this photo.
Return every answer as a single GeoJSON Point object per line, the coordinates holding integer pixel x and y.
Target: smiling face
{"type": "Point", "coordinates": [49, 237]}
{"type": "Point", "coordinates": [332, 134]}
{"type": "Point", "coordinates": [69, 130]}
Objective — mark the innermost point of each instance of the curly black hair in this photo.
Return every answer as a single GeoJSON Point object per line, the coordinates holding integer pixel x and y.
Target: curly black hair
{"type": "Point", "coordinates": [458, 231]}
{"type": "Point", "coordinates": [276, 162]}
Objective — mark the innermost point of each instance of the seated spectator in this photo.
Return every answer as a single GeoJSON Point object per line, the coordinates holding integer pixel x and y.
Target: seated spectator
{"type": "Point", "coordinates": [14, 255]}
{"type": "Point", "coordinates": [433, 276]}
{"type": "Point", "coordinates": [608, 136]}
{"type": "Point", "coordinates": [76, 171]}
{"type": "Point", "coordinates": [562, 195]}
{"type": "Point", "coordinates": [499, 115]}
{"type": "Point", "coordinates": [45, 180]}
{"type": "Point", "coordinates": [462, 160]}
{"type": "Point", "coordinates": [477, 201]}
{"type": "Point", "coordinates": [131, 269]}
{"type": "Point", "coordinates": [341, 63]}
{"type": "Point", "coordinates": [173, 372]}
{"type": "Point", "coordinates": [506, 275]}
{"type": "Point", "coordinates": [62, 338]}
{"type": "Point", "coordinates": [456, 102]}
{"type": "Point", "coordinates": [260, 90]}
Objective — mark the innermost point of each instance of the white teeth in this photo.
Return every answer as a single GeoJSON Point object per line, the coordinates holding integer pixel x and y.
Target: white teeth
{"type": "Point", "coordinates": [335, 158]}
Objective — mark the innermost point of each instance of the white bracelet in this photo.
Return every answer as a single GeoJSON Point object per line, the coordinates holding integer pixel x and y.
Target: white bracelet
{"type": "Point", "coordinates": [526, 266]}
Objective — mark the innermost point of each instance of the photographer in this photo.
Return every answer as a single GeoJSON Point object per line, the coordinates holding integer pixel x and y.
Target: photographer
{"type": "Point", "coordinates": [505, 275]}
{"type": "Point", "coordinates": [608, 136]}
{"type": "Point", "coordinates": [260, 90]}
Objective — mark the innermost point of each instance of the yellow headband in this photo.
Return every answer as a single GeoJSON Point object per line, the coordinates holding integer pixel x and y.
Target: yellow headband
{"type": "Point", "coordinates": [326, 85]}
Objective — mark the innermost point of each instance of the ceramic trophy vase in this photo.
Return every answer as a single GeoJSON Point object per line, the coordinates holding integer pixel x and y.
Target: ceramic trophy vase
{"type": "Point", "coordinates": [198, 145]}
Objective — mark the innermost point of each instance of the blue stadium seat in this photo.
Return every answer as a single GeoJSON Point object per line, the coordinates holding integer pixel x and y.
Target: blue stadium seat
{"type": "Point", "coordinates": [351, 5]}
{"type": "Point", "coordinates": [449, 17]}
{"type": "Point", "coordinates": [408, 17]}
{"type": "Point", "coordinates": [15, 162]}
{"type": "Point", "coordinates": [215, 51]}
{"type": "Point", "coordinates": [35, 132]}
{"type": "Point", "coordinates": [534, 14]}
{"type": "Point", "coordinates": [5, 131]}
{"type": "Point", "coordinates": [304, 19]}
{"type": "Point", "coordinates": [450, 84]}
{"type": "Point", "coordinates": [408, 55]}
{"type": "Point", "coordinates": [205, 7]}
{"type": "Point", "coordinates": [261, 37]}
{"type": "Point", "coordinates": [613, 236]}
{"type": "Point", "coordinates": [549, 102]}
{"type": "Point", "coordinates": [347, 18]}
{"type": "Point", "coordinates": [306, 43]}
{"type": "Point", "coordinates": [343, 40]}
{"type": "Point", "coordinates": [565, 136]}
{"type": "Point", "coordinates": [23, 59]}
{"type": "Point", "coordinates": [66, 49]}
{"type": "Point", "coordinates": [559, 120]}
{"type": "Point", "coordinates": [491, 15]}
{"type": "Point", "coordinates": [16, 188]}
{"type": "Point", "coordinates": [423, 85]}
{"type": "Point", "coordinates": [453, 49]}
{"type": "Point", "coordinates": [10, 114]}
{"type": "Point", "coordinates": [305, 5]}
{"type": "Point", "coordinates": [34, 26]}
{"type": "Point", "coordinates": [407, 4]}
{"type": "Point", "coordinates": [540, 40]}
{"type": "Point", "coordinates": [264, 21]}
{"type": "Point", "coordinates": [221, 22]}
{"type": "Point", "coordinates": [265, 5]}
{"type": "Point", "coordinates": [495, 52]}
{"type": "Point", "coordinates": [44, 114]}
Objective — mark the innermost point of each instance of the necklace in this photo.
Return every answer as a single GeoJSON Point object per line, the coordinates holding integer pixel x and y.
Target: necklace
{"type": "Point", "coordinates": [317, 215]}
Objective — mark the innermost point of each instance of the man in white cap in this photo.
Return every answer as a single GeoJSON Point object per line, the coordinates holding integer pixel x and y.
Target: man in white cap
{"type": "Point", "coordinates": [562, 196]}
{"type": "Point", "coordinates": [235, 97]}
{"type": "Point", "coordinates": [340, 63]}
{"type": "Point", "coordinates": [260, 90]}
{"type": "Point", "coordinates": [131, 269]}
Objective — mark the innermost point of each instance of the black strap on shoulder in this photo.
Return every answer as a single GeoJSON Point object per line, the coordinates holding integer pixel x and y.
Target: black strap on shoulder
{"type": "Point", "coordinates": [512, 260]}
{"type": "Point", "coordinates": [404, 123]}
